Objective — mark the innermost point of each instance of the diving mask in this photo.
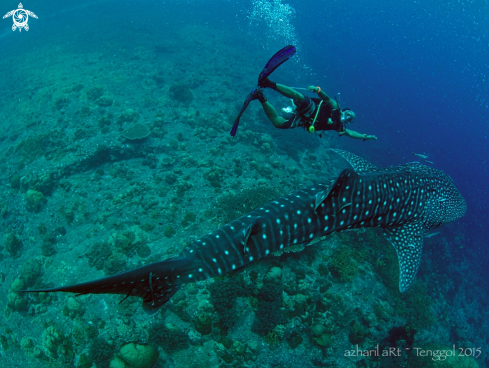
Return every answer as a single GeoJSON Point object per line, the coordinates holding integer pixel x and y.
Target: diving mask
{"type": "Point", "coordinates": [347, 116]}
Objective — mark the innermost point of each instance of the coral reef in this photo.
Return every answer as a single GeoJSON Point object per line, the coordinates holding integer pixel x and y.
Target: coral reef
{"type": "Point", "coordinates": [95, 92]}
{"type": "Point", "coordinates": [15, 181]}
{"type": "Point", "coordinates": [135, 132]}
{"type": "Point", "coordinates": [34, 200]}
{"type": "Point", "coordinates": [181, 93]}
{"type": "Point", "coordinates": [188, 218]}
{"type": "Point", "coordinates": [127, 116]}
{"type": "Point", "coordinates": [15, 300]}
{"type": "Point", "coordinates": [232, 205]}
{"type": "Point", "coordinates": [101, 352]}
{"type": "Point", "coordinates": [269, 313]}
{"type": "Point", "coordinates": [168, 337]}
{"type": "Point", "coordinates": [203, 323]}
{"type": "Point", "coordinates": [169, 231]}
{"type": "Point", "coordinates": [321, 336]}
{"type": "Point", "coordinates": [223, 294]}
{"type": "Point", "coordinates": [86, 194]}
{"type": "Point", "coordinates": [135, 356]}
{"type": "Point", "coordinates": [13, 245]}
{"type": "Point", "coordinates": [342, 264]}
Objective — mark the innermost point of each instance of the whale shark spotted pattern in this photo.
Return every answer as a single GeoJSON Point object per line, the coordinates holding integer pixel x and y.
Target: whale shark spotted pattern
{"type": "Point", "coordinates": [405, 201]}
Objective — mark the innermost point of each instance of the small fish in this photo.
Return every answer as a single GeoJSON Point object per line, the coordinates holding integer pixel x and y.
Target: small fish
{"type": "Point", "coordinates": [425, 157]}
{"type": "Point", "coordinates": [432, 234]}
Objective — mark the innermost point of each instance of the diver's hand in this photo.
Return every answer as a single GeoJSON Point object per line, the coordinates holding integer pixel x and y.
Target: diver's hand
{"type": "Point", "coordinates": [370, 137]}
{"type": "Point", "coordinates": [313, 89]}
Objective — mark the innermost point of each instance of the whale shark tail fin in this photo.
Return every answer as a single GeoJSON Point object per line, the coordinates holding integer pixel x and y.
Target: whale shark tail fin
{"type": "Point", "coordinates": [155, 283]}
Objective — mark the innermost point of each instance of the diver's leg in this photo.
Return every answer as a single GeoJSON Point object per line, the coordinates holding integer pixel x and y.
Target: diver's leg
{"type": "Point", "coordinates": [283, 90]}
{"type": "Point", "coordinates": [290, 93]}
{"type": "Point", "coordinates": [272, 115]}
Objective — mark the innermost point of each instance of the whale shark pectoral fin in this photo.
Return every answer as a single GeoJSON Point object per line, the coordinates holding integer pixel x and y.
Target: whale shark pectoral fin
{"type": "Point", "coordinates": [358, 163]}
{"type": "Point", "coordinates": [407, 240]}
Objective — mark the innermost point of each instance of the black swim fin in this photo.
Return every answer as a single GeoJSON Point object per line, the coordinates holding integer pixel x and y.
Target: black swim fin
{"type": "Point", "coordinates": [275, 61]}
{"type": "Point", "coordinates": [247, 101]}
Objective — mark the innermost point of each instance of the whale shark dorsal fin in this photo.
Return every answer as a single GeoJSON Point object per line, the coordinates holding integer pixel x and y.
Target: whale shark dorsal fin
{"type": "Point", "coordinates": [248, 231]}
{"type": "Point", "coordinates": [320, 197]}
{"type": "Point", "coordinates": [358, 163]}
{"type": "Point", "coordinates": [407, 240]}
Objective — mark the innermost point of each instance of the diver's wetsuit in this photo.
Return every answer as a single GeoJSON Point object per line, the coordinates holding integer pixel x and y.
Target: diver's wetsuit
{"type": "Point", "coordinates": [305, 112]}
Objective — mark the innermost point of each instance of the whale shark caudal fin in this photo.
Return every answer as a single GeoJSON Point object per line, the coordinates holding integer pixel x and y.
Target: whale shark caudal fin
{"type": "Point", "coordinates": [407, 240]}
{"type": "Point", "coordinates": [156, 283]}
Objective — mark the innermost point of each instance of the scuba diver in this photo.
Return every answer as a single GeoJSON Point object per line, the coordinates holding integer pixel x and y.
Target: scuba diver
{"type": "Point", "coordinates": [313, 114]}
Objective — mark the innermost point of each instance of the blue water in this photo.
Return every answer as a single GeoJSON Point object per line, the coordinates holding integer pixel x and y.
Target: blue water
{"type": "Point", "coordinates": [415, 72]}
{"type": "Point", "coordinates": [417, 77]}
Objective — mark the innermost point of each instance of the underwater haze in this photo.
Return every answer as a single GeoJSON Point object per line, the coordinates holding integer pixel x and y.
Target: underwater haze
{"type": "Point", "coordinates": [116, 153]}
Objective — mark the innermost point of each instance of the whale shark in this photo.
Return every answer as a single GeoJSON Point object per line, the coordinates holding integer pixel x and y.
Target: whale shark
{"type": "Point", "coordinates": [405, 201]}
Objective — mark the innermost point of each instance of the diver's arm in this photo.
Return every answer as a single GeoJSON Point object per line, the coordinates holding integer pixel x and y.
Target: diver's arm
{"type": "Point", "coordinates": [356, 135]}
{"type": "Point", "coordinates": [323, 96]}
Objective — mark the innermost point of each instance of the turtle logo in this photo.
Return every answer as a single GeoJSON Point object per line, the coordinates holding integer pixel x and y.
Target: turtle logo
{"type": "Point", "coordinates": [20, 17]}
